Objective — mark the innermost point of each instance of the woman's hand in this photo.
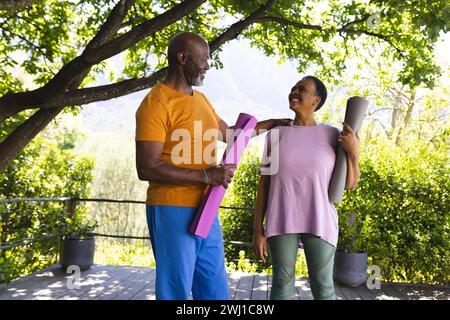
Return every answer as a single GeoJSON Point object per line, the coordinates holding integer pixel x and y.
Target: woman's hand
{"type": "Point", "coordinates": [260, 246]}
{"type": "Point", "coordinates": [349, 140]}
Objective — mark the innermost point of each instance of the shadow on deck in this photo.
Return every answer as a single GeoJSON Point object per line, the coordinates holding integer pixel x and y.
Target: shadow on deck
{"type": "Point", "coordinates": [137, 283]}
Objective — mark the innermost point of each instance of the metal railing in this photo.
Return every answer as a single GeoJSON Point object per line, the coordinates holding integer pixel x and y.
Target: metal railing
{"type": "Point", "coordinates": [70, 210]}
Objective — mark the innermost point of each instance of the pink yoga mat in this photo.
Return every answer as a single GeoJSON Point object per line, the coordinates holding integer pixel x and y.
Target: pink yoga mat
{"type": "Point", "coordinates": [206, 212]}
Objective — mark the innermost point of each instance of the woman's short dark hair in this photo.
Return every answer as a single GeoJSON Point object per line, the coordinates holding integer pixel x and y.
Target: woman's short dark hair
{"type": "Point", "coordinates": [321, 90]}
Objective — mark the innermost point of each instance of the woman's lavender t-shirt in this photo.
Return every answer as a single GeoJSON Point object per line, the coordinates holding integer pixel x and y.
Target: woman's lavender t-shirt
{"type": "Point", "coordinates": [298, 197]}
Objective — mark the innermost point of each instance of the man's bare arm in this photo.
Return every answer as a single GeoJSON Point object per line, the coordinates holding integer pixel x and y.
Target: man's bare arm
{"type": "Point", "coordinates": [150, 167]}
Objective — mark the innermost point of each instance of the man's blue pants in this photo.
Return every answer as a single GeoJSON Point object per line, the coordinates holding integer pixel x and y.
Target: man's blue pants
{"type": "Point", "coordinates": [185, 262]}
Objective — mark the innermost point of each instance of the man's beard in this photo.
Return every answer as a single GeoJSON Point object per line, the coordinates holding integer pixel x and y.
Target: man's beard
{"type": "Point", "coordinates": [189, 73]}
{"type": "Point", "coordinates": [197, 82]}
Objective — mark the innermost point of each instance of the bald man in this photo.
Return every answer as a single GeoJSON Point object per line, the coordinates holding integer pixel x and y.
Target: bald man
{"type": "Point", "coordinates": [176, 133]}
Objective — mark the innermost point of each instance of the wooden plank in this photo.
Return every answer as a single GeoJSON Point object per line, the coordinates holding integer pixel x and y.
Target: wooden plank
{"type": "Point", "coordinates": [18, 288]}
{"type": "Point", "coordinates": [244, 289]}
{"type": "Point", "coordinates": [378, 294]}
{"type": "Point", "coordinates": [122, 275]}
{"type": "Point", "coordinates": [422, 292]}
{"type": "Point", "coordinates": [233, 282]}
{"type": "Point", "coordinates": [124, 288]}
{"type": "Point", "coordinates": [338, 291]}
{"type": "Point", "coordinates": [365, 293]}
{"type": "Point", "coordinates": [118, 274]}
{"type": "Point", "coordinates": [60, 286]}
{"type": "Point", "coordinates": [124, 283]}
{"type": "Point", "coordinates": [260, 287]}
{"type": "Point", "coordinates": [303, 289]}
{"type": "Point", "coordinates": [22, 280]}
{"type": "Point", "coordinates": [388, 293]}
{"type": "Point", "coordinates": [409, 293]}
{"type": "Point", "coordinates": [43, 285]}
{"type": "Point", "coordinates": [95, 284]}
{"type": "Point", "coordinates": [137, 287]}
{"type": "Point", "coordinates": [385, 293]}
{"type": "Point", "coordinates": [148, 292]}
{"type": "Point", "coordinates": [95, 281]}
{"type": "Point", "coordinates": [90, 282]}
{"type": "Point", "coordinates": [350, 293]}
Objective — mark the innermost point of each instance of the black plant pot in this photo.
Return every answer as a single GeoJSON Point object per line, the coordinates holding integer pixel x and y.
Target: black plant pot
{"type": "Point", "coordinates": [350, 268]}
{"type": "Point", "coordinates": [79, 252]}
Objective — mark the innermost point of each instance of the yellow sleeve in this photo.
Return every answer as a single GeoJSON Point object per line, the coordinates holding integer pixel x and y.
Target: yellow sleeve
{"type": "Point", "coordinates": [216, 116]}
{"type": "Point", "coordinates": [152, 120]}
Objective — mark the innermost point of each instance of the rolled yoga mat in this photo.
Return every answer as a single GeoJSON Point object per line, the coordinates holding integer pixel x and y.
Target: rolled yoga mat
{"type": "Point", "coordinates": [206, 212]}
{"type": "Point", "coordinates": [354, 114]}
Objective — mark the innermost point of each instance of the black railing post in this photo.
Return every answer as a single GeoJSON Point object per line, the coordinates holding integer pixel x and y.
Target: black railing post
{"type": "Point", "coordinates": [70, 208]}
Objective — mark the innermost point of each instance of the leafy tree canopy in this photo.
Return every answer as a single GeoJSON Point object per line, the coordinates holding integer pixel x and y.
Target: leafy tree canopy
{"type": "Point", "coordinates": [63, 46]}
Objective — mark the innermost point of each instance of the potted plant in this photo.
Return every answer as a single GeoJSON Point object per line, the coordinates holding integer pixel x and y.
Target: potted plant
{"type": "Point", "coordinates": [350, 263]}
{"type": "Point", "coordinates": [78, 243]}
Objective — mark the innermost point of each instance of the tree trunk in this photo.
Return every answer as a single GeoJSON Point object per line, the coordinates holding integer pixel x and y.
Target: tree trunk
{"type": "Point", "coordinates": [397, 114]}
{"type": "Point", "coordinates": [24, 133]}
{"type": "Point", "coordinates": [407, 118]}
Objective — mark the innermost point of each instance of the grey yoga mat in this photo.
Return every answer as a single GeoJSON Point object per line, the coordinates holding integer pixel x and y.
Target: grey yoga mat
{"type": "Point", "coordinates": [354, 114]}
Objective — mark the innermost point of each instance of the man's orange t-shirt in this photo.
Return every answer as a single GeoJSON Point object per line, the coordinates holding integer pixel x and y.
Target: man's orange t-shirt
{"type": "Point", "coordinates": [188, 126]}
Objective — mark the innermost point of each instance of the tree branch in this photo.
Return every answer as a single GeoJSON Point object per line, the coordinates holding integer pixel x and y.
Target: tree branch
{"type": "Point", "coordinates": [24, 133]}
{"type": "Point", "coordinates": [111, 25]}
{"type": "Point", "coordinates": [357, 21]}
{"type": "Point", "coordinates": [62, 80]}
{"type": "Point", "coordinates": [96, 54]}
{"type": "Point", "coordinates": [51, 107]}
{"type": "Point", "coordinates": [345, 29]}
{"type": "Point", "coordinates": [376, 35]}
{"type": "Point", "coordinates": [10, 5]}
{"type": "Point", "coordinates": [13, 103]}
{"type": "Point", "coordinates": [107, 92]}
{"type": "Point", "coordinates": [30, 43]}
{"type": "Point", "coordinates": [234, 30]}
{"type": "Point", "coordinates": [284, 21]}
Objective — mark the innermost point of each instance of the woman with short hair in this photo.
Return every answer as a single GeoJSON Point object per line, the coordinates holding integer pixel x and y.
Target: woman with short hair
{"type": "Point", "coordinates": [293, 193]}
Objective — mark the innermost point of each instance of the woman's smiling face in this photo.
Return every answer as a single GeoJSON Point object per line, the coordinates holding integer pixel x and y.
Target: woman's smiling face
{"type": "Point", "coordinates": [303, 96]}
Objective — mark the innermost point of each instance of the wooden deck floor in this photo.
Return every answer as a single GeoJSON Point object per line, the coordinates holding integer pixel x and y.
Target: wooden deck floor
{"type": "Point", "coordinates": [136, 283]}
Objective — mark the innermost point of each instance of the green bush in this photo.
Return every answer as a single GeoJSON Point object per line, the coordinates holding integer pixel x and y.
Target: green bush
{"type": "Point", "coordinates": [401, 210]}
{"type": "Point", "coordinates": [238, 224]}
{"type": "Point", "coordinates": [399, 213]}
{"type": "Point", "coordinates": [42, 170]}
{"type": "Point", "coordinates": [130, 252]}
